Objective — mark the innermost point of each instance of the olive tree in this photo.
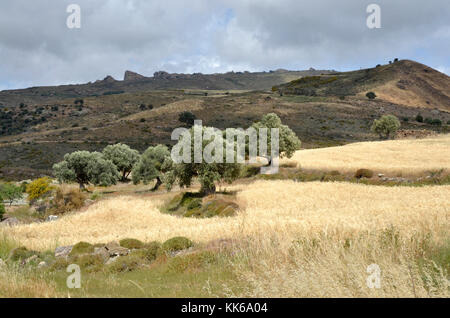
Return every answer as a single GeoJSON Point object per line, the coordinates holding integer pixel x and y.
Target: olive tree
{"type": "Point", "coordinates": [208, 172]}
{"type": "Point", "coordinates": [123, 157]}
{"type": "Point", "coordinates": [386, 126]}
{"type": "Point", "coordinates": [288, 140]}
{"type": "Point", "coordinates": [10, 192]}
{"type": "Point", "coordinates": [86, 167]}
{"type": "Point", "coordinates": [154, 163]}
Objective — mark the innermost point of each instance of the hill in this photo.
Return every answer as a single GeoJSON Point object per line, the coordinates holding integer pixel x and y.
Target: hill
{"type": "Point", "coordinates": [402, 82]}
{"type": "Point", "coordinates": [35, 135]}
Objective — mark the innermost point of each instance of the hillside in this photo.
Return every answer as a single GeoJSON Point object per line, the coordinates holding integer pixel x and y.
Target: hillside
{"type": "Point", "coordinates": [35, 135]}
{"type": "Point", "coordinates": [403, 82]}
{"type": "Point", "coordinates": [136, 83]}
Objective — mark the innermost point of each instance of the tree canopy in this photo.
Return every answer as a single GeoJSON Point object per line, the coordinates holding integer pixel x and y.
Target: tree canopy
{"type": "Point", "coordinates": [123, 157]}
{"type": "Point", "coordinates": [86, 167]}
{"type": "Point", "coordinates": [154, 163]}
{"type": "Point", "coordinates": [386, 126]}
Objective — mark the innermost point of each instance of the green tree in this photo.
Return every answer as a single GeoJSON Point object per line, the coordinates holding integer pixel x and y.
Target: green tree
{"type": "Point", "coordinates": [207, 173]}
{"type": "Point", "coordinates": [10, 192]}
{"type": "Point", "coordinates": [187, 118]}
{"type": "Point", "coordinates": [371, 95]}
{"type": "Point", "coordinates": [86, 167]}
{"type": "Point", "coordinates": [154, 163]}
{"type": "Point", "coordinates": [123, 157]}
{"type": "Point", "coordinates": [288, 140]}
{"type": "Point", "coordinates": [386, 126]}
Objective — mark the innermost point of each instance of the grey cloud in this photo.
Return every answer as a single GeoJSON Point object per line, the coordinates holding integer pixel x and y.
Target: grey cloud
{"type": "Point", "coordinates": [36, 47]}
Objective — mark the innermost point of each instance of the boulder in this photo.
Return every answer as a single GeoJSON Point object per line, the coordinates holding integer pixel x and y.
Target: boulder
{"type": "Point", "coordinates": [42, 265]}
{"type": "Point", "coordinates": [52, 218]}
{"type": "Point", "coordinates": [132, 76]}
{"type": "Point", "coordinates": [10, 222]}
{"type": "Point", "coordinates": [63, 251]}
{"type": "Point", "coordinates": [103, 253]}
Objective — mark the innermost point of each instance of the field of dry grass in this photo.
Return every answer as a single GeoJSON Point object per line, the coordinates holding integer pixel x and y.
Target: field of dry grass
{"type": "Point", "coordinates": [310, 239]}
{"type": "Point", "coordinates": [406, 157]}
{"type": "Point", "coordinates": [299, 208]}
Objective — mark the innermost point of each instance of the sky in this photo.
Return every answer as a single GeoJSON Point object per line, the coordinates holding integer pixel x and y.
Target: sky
{"type": "Point", "coordinates": [37, 48]}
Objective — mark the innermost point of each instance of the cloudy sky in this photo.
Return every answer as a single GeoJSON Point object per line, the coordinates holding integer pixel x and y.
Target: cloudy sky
{"type": "Point", "coordinates": [37, 48]}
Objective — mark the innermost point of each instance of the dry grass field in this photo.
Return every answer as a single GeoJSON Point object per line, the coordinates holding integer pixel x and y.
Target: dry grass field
{"type": "Point", "coordinates": [296, 239]}
{"type": "Point", "coordinates": [406, 156]}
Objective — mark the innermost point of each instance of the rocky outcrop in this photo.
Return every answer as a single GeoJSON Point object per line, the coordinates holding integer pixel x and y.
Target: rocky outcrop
{"type": "Point", "coordinates": [132, 76]}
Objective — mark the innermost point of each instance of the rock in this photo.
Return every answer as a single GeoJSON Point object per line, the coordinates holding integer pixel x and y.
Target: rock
{"type": "Point", "coordinates": [380, 175]}
{"type": "Point", "coordinates": [132, 76]}
{"type": "Point", "coordinates": [88, 202]}
{"type": "Point", "coordinates": [435, 112]}
{"type": "Point", "coordinates": [10, 222]}
{"type": "Point", "coordinates": [42, 265]}
{"type": "Point", "coordinates": [111, 260]}
{"type": "Point", "coordinates": [118, 251]}
{"type": "Point", "coordinates": [103, 252]}
{"type": "Point", "coordinates": [52, 218]}
{"type": "Point", "coordinates": [63, 251]}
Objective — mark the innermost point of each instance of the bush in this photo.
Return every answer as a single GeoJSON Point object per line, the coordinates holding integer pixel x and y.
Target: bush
{"type": "Point", "coordinates": [428, 121]}
{"type": "Point", "coordinates": [436, 122]}
{"type": "Point", "coordinates": [131, 243]}
{"type": "Point", "coordinates": [419, 118]}
{"type": "Point", "coordinates": [2, 209]}
{"type": "Point", "coordinates": [149, 253]}
{"type": "Point", "coordinates": [191, 262]}
{"type": "Point", "coordinates": [363, 173]}
{"type": "Point", "coordinates": [82, 248]}
{"type": "Point", "coordinates": [187, 118]}
{"type": "Point", "coordinates": [371, 95]}
{"type": "Point", "coordinates": [125, 264]}
{"type": "Point", "coordinates": [67, 200]}
{"type": "Point", "coordinates": [38, 188]}
{"type": "Point", "coordinates": [177, 244]}
{"type": "Point", "coordinates": [20, 254]}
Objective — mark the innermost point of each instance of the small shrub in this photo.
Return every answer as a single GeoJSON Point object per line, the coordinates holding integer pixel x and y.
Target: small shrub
{"type": "Point", "coordinates": [88, 262]}
{"type": "Point", "coordinates": [131, 243]}
{"type": "Point", "coordinates": [405, 119]}
{"type": "Point", "coordinates": [177, 244]}
{"type": "Point", "coordinates": [38, 188]}
{"type": "Point", "coordinates": [371, 95]}
{"type": "Point", "coordinates": [20, 254]}
{"type": "Point", "coordinates": [386, 126]}
{"type": "Point", "coordinates": [149, 253]}
{"type": "Point", "coordinates": [436, 122]}
{"type": "Point", "coordinates": [363, 173]}
{"type": "Point", "coordinates": [125, 264]}
{"type": "Point", "coordinates": [428, 120]}
{"type": "Point", "coordinates": [2, 209]}
{"type": "Point", "coordinates": [82, 248]}
{"type": "Point", "coordinates": [67, 200]}
{"type": "Point", "coordinates": [59, 264]}
{"type": "Point", "coordinates": [419, 118]}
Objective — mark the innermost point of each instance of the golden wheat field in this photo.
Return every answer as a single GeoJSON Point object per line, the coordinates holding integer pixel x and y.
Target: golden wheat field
{"type": "Point", "coordinates": [406, 156]}
{"type": "Point", "coordinates": [297, 208]}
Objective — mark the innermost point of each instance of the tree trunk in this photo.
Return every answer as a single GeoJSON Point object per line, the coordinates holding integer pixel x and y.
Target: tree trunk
{"type": "Point", "coordinates": [82, 187]}
{"type": "Point", "coordinates": [208, 191]}
{"type": "Point", "coordinates": [157, 185]}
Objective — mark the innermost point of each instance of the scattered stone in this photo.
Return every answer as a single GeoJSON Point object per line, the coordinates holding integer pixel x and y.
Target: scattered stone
{"type": "Point", "coordinates": [10, 222]}
{"type": "Point", "coordinates": [118, 251]}
{"type": "Point", "coordinates": [52, 218]}
{"type": "Point", "coordinates": [111, 260]}
{"type": "Point", "coordinates": [380, 175]}
{"type": "Point", "coordinates": [63, 251]}
{"type": "Point", "coordinates": [103, 252]}
{"type": "Point", "coordinates": [42, 265]}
